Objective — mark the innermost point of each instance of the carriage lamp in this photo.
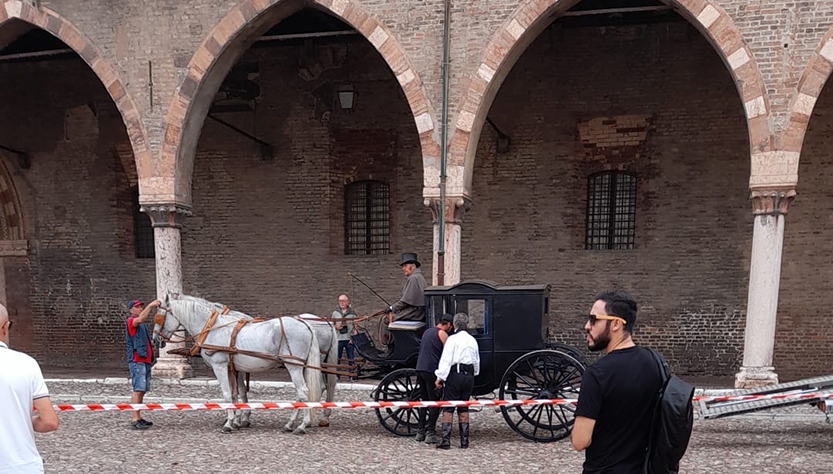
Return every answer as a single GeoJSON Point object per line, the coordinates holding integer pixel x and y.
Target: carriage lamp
{"type": "Point", "coordinates": [346, 96]}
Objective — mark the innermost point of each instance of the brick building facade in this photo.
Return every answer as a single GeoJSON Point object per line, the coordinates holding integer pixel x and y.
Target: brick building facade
{"type": "Point", "coordinates": [701, 104]}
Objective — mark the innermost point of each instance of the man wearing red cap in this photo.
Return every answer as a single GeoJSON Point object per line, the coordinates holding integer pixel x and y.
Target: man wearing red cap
{"type": "Point", "coordinates": [139, 355]}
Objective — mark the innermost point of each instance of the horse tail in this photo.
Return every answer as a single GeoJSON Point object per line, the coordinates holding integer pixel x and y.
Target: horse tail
{"type": "Point", "coordinates": [312, 373]}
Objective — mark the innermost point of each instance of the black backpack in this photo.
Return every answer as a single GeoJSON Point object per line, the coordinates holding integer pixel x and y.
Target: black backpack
{"type": "Point", "coordinates": [672, 425]}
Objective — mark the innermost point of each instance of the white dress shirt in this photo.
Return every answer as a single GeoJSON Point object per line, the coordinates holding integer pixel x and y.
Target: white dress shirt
{"type": "Point", "coordinates": [460, 348]}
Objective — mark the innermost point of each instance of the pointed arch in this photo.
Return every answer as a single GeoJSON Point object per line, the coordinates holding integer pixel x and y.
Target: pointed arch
{"type": "Point", "coordinates": [55, 24]}
{"type": "Point", "coordinates": [223, 47]}
{"type": "Point", "coordinates": [531, 17]}
{"type": "Point", "coordinates": [805, 96]}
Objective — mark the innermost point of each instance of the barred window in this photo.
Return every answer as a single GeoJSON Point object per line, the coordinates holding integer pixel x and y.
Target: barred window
{"type": "Point", "coordinates": [611, 211]}
{"type": "Point", "coordinates": [367, 218]}
{"type": "Point", "coordinates": [142, 231]}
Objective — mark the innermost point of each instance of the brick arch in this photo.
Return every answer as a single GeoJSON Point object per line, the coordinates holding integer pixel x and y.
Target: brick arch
{"type": "Point", "coordinates": [224, 46]}
{"type": "Point", "coordinates": [50, 21]}
{"type": "Point", "coordinates": [804, 98]}
{"type": "Point", "coordinates": [531, 17]}
{"type": "Point", "coordinates": [11, 216]}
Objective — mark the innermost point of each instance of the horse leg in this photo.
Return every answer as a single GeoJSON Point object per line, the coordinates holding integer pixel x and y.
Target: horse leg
{"type": "Point", "coordinates": [297, 375]}
{"type": "Point", "coordinates": [243, 396]}
{"type": "Point", "coordinates": [331, 390]}
{"type": "Point", "coordinates": [221, 372]}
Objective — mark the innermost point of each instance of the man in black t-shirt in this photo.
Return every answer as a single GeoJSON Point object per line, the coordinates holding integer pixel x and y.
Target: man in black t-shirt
{"type": "Point", "coordinates": [618, 392]}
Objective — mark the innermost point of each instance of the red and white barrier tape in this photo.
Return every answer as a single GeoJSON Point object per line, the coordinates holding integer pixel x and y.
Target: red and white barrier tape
{"type": "Point", "coordinates": [414, 404]}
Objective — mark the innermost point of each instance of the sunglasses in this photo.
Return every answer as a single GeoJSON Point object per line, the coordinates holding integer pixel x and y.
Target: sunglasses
{"type": "Point", "coordinates": [592, 318]}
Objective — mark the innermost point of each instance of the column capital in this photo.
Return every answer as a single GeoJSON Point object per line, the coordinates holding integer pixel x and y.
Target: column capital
{"type": "Point", "coordinates": [454, 208]}
{"type": "Point", "coordinates": [166, 215]}
{"type": "Point", "coordinates": [772, 201]}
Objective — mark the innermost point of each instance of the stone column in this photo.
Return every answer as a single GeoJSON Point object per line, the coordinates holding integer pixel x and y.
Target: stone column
{"type": "Point", "coordinates": [769, 207]}
{"type": "Point", "coordinates": [453, 209]}
{"type": "Point", "coordinates": [167, 222]}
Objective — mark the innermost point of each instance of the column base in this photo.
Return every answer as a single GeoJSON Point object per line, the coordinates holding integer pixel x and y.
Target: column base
{"type": "Point", "coordinates": [754, 377]}
{"type": "Point", "coordinates": [172, 368]}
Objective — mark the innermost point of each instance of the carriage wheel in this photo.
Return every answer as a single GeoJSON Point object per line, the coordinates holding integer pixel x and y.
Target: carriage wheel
{"type": "Point", "coordinates": [398, 386]}
{"type": "Point", "coordinates": [541, 374]}
{"type": "Point", "coordinates": [570, 351]}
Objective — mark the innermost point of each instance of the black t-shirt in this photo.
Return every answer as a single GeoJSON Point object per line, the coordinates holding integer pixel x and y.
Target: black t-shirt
{"type": "Point", "coordinates": [619, 392]}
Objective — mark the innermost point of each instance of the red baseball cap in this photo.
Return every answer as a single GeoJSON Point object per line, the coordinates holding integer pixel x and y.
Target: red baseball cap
{"type": "Point", "coordinates": [133, 303]}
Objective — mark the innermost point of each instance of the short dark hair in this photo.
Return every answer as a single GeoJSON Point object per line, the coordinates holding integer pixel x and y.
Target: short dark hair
{"type": "Point", "coordinates": [619, 303]}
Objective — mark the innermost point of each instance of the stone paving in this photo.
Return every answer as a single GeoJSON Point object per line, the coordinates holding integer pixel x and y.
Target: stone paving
{"type": "Point", "coordinates": [187, 442]}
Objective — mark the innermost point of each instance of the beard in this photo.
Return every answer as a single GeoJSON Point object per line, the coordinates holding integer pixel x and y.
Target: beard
{"type": "Point", "coordinates": [600, 343]}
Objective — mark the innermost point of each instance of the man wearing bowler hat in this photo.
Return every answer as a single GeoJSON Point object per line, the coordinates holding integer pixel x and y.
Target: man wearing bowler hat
{"type": "Point", "coordinates": [411, 307]}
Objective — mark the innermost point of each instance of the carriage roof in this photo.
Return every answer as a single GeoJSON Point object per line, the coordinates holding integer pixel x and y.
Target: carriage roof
{"type": "Point", "coordinates": [485, 286]}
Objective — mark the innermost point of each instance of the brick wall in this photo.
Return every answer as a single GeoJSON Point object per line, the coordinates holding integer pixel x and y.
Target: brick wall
{"type": "Point", "coordinates": [693, 234]}
{"type": "Point", "coordinates": [67, 296]}
{"type": "Point", "coordinates": [804, 337]}
{"type": "Point", "coordinates": [268, 236]}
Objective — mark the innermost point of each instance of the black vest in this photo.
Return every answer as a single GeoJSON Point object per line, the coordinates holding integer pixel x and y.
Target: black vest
{"type": "Point", "coordinates": [430, 351]}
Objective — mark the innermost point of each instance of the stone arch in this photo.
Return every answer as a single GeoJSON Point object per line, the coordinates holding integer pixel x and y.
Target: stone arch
{"type": "Point", "coordinates": [12, 224]}
{"type": "Point", "coordinates": [803, 102]}
{"type": "Point", "coordinates": [55, 24]}
{"type": "Point", "coordinates": [229, 40]}
{"type": "Point", "coordinates": [532, 16]}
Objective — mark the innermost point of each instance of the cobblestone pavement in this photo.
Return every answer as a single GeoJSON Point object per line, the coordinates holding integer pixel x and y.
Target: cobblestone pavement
{"type": "Point", "coordinates": [192, 442]}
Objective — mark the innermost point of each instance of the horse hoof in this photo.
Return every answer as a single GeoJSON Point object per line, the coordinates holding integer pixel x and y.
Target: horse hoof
{"type": "Point", "coordinates": [227, 429]}
{"type": "Point", "coordinates": [287, 428]}
{"type": "Point", "coordinates": [323, 423]}
{"type": "Point", "coordinates": [300, 431]}
{"type": "Point", "coordinates": [245, 424]}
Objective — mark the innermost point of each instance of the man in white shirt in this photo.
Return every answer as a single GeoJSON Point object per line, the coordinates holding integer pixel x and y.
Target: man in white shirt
{"type": "Point", "coordinates": [21, 389]}
{"type": "Point", "coordinates": [459, 364]}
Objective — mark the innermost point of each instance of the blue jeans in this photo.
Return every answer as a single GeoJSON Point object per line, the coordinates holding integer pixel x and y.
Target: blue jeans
{"type": "Point", "coordinates": [139, 376]}
{"type": "Point", "coordinates": [345, 345]}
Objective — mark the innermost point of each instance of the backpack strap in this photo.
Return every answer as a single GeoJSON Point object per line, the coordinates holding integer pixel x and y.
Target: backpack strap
{"type": "Point", "coordinates": [661, 365]}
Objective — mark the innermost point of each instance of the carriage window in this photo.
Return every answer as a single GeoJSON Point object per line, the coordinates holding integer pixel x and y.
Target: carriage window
{"type": "Point", "coordinates": [478, 311]}
{"type": "Point", "coordinates": [437, 309]}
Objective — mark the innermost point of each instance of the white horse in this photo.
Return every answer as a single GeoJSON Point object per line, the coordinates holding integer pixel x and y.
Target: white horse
{"type": "Point", "coordinates": [289, 338]}
{"type": "Point", "coordinates": [327, 345]}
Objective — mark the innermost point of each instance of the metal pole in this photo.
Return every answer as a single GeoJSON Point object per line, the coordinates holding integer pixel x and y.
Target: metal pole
{"type": "Point", "coordinates": [443, 148]}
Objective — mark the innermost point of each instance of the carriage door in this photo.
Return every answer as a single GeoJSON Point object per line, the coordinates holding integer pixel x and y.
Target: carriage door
{"type": "Point", "coordinates": [479, 309]}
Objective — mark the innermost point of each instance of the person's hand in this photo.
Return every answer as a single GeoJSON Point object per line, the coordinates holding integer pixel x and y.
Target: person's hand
{"type": "Point", "coordinates": [438, 383]}
{"type": "Point", "coordinates": [350, 342]}
{"type": "Point", "coordinates": [155, 304]}
{"type": "Point", "coordinates": [388, 310]}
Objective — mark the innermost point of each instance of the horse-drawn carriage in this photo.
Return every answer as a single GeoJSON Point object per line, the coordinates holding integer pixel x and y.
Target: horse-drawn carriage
{"type": "Point", "coordinates": [511, 326]}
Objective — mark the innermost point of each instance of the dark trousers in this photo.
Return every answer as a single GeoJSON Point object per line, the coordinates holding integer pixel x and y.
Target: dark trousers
{"type": "Point", "coordinates": [428, 391]}
{"type": "Point", "coordinates": [345, 345]}
{"type": "Point", "coordinates": [458, 387]}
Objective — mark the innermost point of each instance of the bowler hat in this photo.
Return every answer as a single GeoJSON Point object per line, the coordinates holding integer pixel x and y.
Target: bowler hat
{"type": "Point", "coordinates": [410, 258]}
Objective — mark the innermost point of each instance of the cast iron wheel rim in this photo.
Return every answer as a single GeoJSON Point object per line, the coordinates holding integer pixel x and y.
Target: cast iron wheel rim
{"type": "Point", "coordinates": [541, 374]}
{"type": "Point", "coordinates": [398, 386]}
{"type": "Point", "coordinates": [570, 351]}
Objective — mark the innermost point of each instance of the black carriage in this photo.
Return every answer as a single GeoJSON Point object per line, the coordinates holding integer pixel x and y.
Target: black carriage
{"type": "Point", "coordinates": [517, 359]}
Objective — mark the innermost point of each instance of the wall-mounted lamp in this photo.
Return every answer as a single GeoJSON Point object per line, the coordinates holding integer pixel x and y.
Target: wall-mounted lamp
{"type": "Point", "coordinates": [346, 97]}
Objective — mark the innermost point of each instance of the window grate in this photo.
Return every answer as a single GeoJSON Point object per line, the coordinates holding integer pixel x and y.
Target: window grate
{"type": "Point", "coordinates": [142, 231]}
{"type": "Point", "coordinates": [611, 211]}
{"type": "Point", "coordinates": [367, 218]}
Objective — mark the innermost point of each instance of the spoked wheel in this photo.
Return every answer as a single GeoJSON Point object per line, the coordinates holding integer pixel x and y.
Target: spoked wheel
{"type": "Point", "coordinates": [570, 351]}
{"type": "Point", "coordinates": [544, 374]}
{"type": "Point", "coordinates": [399, 386]}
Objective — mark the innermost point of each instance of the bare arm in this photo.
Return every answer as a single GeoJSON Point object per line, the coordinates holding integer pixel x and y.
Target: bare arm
{"type": "Point", "coordinates": [46, 420]}
{"type": "Point", "coordinates": [143, 316]}
{"type": "Point", "coordinates": [582, 433]}
{"type": "Point", "coordinates": [442, 335]}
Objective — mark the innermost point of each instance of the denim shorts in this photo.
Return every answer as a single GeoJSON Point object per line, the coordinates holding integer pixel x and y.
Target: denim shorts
{"type": "Point", "coordinates": [140, 376]}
